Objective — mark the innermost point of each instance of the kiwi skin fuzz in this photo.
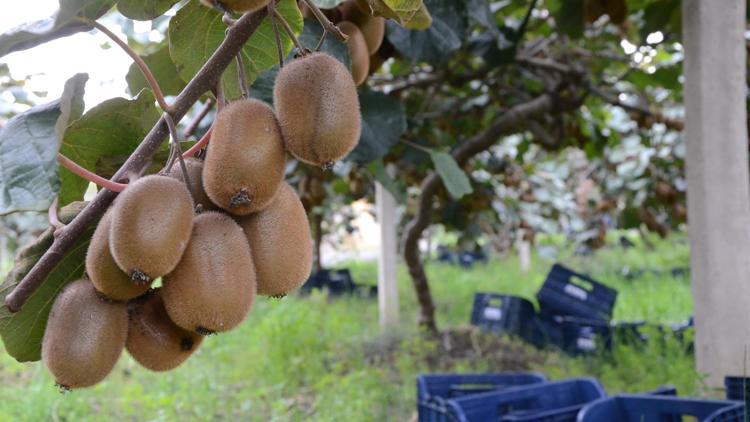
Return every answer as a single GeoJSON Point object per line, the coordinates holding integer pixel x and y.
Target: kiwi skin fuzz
{"type": "Point", "coordinates": [245, 162]}
{"type": "Point", "coordinates": [154, 340]}
{"type": "Point", "coordinates": [213, 287]}
{"type": "Point", "coordinates": [194, 169]}
{"type": "Point", "coordinates": [102, 270]}
{"type": "Point", "coordinates": [279, 238]}
{"type": "Point", "coordinates": [151, 224]}
{"type": "Point", "coordinates": [318, 109]}
{"type": "Point", "coordinates": [357, 51]}
{"type": "Point", "coordinates": [85, 336]}
{"type": "Point", "coordinates": [238, 5]}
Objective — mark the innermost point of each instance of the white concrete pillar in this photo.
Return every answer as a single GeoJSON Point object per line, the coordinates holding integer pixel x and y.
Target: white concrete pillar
{"type": "Point", "coordinates": [718, 187]}
{"type": "Point", "coordinates": [524, 251]}
{"type": "Point", "coordinates": [388, 258]}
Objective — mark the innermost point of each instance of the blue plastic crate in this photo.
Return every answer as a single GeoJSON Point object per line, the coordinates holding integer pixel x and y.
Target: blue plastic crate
{"type": "Point", "coordinates": [468, 259]}
{"type": "Point", "coordinates": [649, 408]}
{"type": "Point", "coordinates": [566, 292]}
{"type": "Point", "coordinates": [575, 336]}
{"type": "Point", "coordinates": [555, 401]}
{"type": "Point", "coordinates": [337, 283]}
{"type": "Point", "coordinates": [737, 388]}
{"type": "Point", "coordinates": [434, 390]}
{"type": "Point", "coordinates": [503, 314]}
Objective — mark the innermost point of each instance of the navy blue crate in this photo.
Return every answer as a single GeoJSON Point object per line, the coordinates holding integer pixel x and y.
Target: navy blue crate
{"type": "Point", "coordinates": [336, 282]}
{"type": "Point", "coordinates": [468, 259]}
{"type": "Point", "coordinates": [649, 408]}
{"type": "Point", "coordinates": [503, 314]}
{"type": "Point", "coordinates": [434, 390]}
{"type": "Point", "coordinates": [566, 292]}
{"type": "Point", "coordinates": [575, 336]}
{"type": "Point", "coordinates": [737, 388]}
{"type": "Point", "coordinates": [555, 401]}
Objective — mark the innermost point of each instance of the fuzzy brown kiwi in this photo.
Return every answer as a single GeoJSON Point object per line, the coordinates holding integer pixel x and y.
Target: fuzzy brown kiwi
{"type": "Point", "coordinates": [194, 169]}
{"type": "Point", "coordinates": [238, 5]}
{"type": "Point", "coordinates": [279, 238]}
{"type": "Point", "coordinates": [358, 52]}
{"type": "Point", "coordinates": [372, 27]}
{"type": "Point", "coordinates": [84, 337]}
{"type": "Point", "coordinates": [154, 340]}
{"type": "Point", "coordinates": [245, 161]}
{"type": "Point", "coordinates": [213, 287]}
{"type": "Point", "coordinates": [317, 108]}
{"type": "Point", "coordinates": [102, 269]}
{"type": "Point", "coordinates": [151, 224]}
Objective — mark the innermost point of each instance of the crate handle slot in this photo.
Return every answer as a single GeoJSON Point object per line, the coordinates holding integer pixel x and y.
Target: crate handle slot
{"type": "Point", "coordinates": [582, 283]}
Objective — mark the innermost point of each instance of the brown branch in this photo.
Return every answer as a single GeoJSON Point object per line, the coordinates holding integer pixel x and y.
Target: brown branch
{"type": "Point", "coordinates": [206, 79]}
{"type": "Point", "coordinates": [670, 123]}
{"type": "Point", "coordinates": [193, 126]}
{"type": "Point", "coordinates": [512, 121]}
{"type": "Point", "coordinates": [327, 25]}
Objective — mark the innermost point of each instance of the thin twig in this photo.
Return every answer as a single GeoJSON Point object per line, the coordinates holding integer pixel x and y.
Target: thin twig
{"type": "Point", "coordinates": [241, 76]}
{"type": "Point", "coordinates": [175, 146]}
{"type": "Point", "coordinates": [138, 61]}
{"type": "Point", "coordinates": [199, 145]}
{"type": "Point", "coordinates": [289, 32]}
{"type": "Point", "coordinates": [87, 175]}
{"type": "Point", "coordinates": [276, 34]}
{"type": "Point", "coordinates": [54, 219]}
{"type": "Point", "coordinates": [322, 40]}
{"type": "Point", "coordinates": [193, 126]}
{"type": "Point", "coordinates": [204, 80]}
{"type": "Point", "coordinates": [416, 146]}
{"type": "Point", "coordinates": [327, 24]}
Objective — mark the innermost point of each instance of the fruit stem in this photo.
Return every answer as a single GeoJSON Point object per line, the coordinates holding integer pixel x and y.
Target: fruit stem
{"type": "Point", "coordinates": [193, 126]}
{"type": "Point", "coordinates": [87, 175]}
{"type": "Point", "coordinates": [322, 40]}
{"type": "Point", "coordinates": [54, 219]}
{"type": "Point", "coordinates": [276, 35]}
{"type": "Point", "coordinates": [199, 145]}
{"type": "Point", "coordinates": [176, 151]}
{"type": "Point", "coordinates": [289, 32]}
{"type": "Point", "coordinates": [327, 24]}
{"type": "Point", "coordinates": [417, 146]}
{"type": "Point", "coordinates": [241, 76]}
{"type": "Point", "coordinates": [138, 61]}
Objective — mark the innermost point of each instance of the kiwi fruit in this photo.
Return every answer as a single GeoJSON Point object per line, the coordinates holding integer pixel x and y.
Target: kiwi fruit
{"type": "Point", "coordinates": [151, 224]}
{"type": "Point", "coordinates": [372, 27]}
{"type": "Point", "coordinates": [237, 5]}
{"type": "Point", "coordinates": [102, 270]}
{"type": "Point", "coordinates": [154, 340]}
{"type": "Point", "coordinates": [213, 287]}
{"type": "Point", "coordinates": [317, 108]}
{"type": "Point", "coordinates": [84, 336]}
{"type": "Point", "coordinates": [194, 169]}
{"type": "Point", "coordinates": [358, 52]}
{"type": "Point", "coordinates": [280, 242]}
{"type": "Point", "coordinates": [245, 161]}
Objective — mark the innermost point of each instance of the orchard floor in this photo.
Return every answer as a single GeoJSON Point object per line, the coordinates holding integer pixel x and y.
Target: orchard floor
{"type": "Point", "coordinates": [317, 359]}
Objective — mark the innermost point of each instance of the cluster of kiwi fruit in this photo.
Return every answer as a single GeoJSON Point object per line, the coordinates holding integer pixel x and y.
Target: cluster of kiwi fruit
{"type": "Point", "coordinates": [231, 229]}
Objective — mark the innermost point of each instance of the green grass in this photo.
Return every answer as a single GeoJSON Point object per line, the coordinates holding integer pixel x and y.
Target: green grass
{"type": "Point", "coordinates": [318, 359]}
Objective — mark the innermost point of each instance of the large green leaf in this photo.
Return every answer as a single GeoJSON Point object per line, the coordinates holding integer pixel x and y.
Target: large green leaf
{"type": "Point", "coordinates": [28, 150]}
{"type": "Point", "coordinates": [383, 123]}
{"type": "Point", "coordinates": [395, 187]}
{"type": "Point", "coordinates": [569, 18]}
{"type": "Point", "coordinates": [113, 128]}
{"type": "Point", "coordinates": [144, 10]}
{"type": "Point", "coordinates": [401, 11]}
{"type": "Point", "coordinates": [164, 71]}
{"type": "Point", "coordinates": [22, 332]}
{"type": "Point", "coordinates": [443, 37]}
{"type": "Point", "coordinates": [454, 179]}
{"type": "Point", "coordinates": [196, 31]}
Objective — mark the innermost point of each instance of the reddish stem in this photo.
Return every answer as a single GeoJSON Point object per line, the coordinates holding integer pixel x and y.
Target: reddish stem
{"type": "Point", "coordinates": [87, 175]}
{"type": "Point", "coordinates": [199, 145]}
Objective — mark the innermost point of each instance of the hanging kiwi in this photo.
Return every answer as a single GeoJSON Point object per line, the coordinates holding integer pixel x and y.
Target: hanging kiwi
{"type": "Point", "coordinates": [318, 109]}
{"type": "Point", "coordinates": [151, 224]}
{"type": "Point", "coordinates": [194, 169]}
{"type": "Point", "coordinates": [213, 287]}
{"type": "Point", "coordinates": [245, 161]}
{"type": "Point", "coordinates": [154, 340]}
{"type": "Point", "coordinates": [280, 242]}
{"type": "Point", "coordinates": [237, 5]}
{"type": "Point", "coordinates": [358, 52]}
{"type": "Point", "coordinates": [84, 336]}
{"type": "Point", "coordinates": [102, 269]}
{"type": "Point", "coordinates": [372, 27]}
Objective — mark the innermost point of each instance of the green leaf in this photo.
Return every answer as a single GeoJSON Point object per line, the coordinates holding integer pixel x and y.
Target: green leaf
{"type": "Point", "coordinates": [71, 103]}
{"type": "Point", "coordinates": [113, 128]}
{"type": "Point", "coordinates": [164, 71]}
{"type": "Point", "coordinates": [62, 24]}
{"type": "Point", "coordinates": [443, 37]}
{"type": "Point", "coordinates": [569, 18]}
{"type": "Point", "coordinates": [327, 4]}
{"type": "Point", "coordinates": [196, 31]}
{"type": "Point", "coordinates": [377, 169]}
{"type": "Point", "coordinates": [28, 160]}
{"type": "Point", "coordinates": [401, 11]}
{"type": "Point", "coordinates": [22, 332]}
{"type": "Point", "coordinates": [144, 10]}
{"type": "Point", "coordinates": [454, 179]}
{"type": "Point", "coordinates": [383, 123]}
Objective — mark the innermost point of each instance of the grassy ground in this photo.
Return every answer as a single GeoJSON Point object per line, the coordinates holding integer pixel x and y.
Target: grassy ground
{"type": "Point", "coordinates": [318, 359]}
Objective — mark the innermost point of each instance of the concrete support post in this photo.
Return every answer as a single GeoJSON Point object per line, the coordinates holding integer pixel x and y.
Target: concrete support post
{"type": "Point", "coordinates": [388, 258]}
{"type": "Point", "coordinates": [718, 183]}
